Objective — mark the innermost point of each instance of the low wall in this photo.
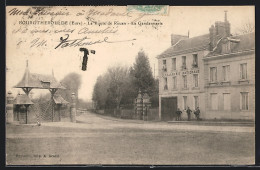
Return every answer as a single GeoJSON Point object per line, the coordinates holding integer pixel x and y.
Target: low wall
{"type": "Point", "coordinates": [127, 113]}
{"type": "Point", "coordinates": [153, 113]}
{"type": "Point", "coordinates": [100, 111]}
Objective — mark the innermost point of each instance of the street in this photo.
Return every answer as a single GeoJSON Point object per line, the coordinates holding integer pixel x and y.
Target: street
{"type": "Point", "coordinates": [97, 139]}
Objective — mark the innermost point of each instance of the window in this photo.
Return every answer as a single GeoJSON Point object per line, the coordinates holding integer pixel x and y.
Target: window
{"type": "Point", "coordinates": [226, 101]}
{"type": "Point", "coordinates": [173, 63]}
{"type": "Point", "coordinates": [196, 80]}
{"type": "Point", "coordinates": [226, 72]}
{"type": "Point", "coordinates": [185, 81]}
{"type": "Point", "coordinates": [195, 60]}
{"type": "Point", "coordinates": [244, 101]}
{"type": "Point", "coordinates": [165, 84]}
{"type": "Point", "coordinates": [243, 71]}
{"type": "Point", "coordinates": [196, 102]}
{"type": "Point", "coordinates": [184, 102]}
{"type": "Point", "coordinates": [226, 47]}
{"type": "Point", "coordinates": [183, 62]}
{"type": "Point", "coordinates": [174, 79]}
{"type": "Point", "coordinates": [46, 84]}
{"type": "Point", "coordinates": [164, 62]}
{"type": "Point", "coordinates": [164, 65]}
{"type": "Point", "coordinates": [213, 74]}
{"type": "Point", "coordinates": [214, 101]}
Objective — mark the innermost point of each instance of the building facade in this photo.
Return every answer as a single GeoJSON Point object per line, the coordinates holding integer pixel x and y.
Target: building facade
{"type": "Point", "coordinates": [230, 78]}
{"type": "Point", "coordinates": [181, 81]}
{"type": "Point", "coordinates": [190, 76]}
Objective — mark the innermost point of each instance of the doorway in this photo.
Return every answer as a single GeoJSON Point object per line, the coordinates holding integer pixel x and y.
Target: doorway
{"type": "Point", "coordinates": [168, 108]}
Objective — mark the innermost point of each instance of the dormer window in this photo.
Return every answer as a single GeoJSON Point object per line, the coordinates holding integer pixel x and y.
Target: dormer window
{"type": "Point", "coordinates": [226, 47]}
{"type": "Point", "coordinates": [45, 84]}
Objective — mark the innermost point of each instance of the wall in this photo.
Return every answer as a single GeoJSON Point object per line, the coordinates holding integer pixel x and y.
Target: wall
{"type": "Point", "coordinates": [180, 91]}
{"type": "Point", "coordinates": [33, 116]}
{"type": "Point", "coordinates": [234, 87]}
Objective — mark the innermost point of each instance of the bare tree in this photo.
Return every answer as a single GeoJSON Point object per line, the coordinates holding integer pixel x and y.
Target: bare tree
{"type": "Point", "coordinates": [246, 27]}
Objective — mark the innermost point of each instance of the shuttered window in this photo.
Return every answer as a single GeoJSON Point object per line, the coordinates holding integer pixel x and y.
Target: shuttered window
{"type": "Point", "coordinates": [214, 101]}
{"type": "Point", "coordinates": [226, 101]}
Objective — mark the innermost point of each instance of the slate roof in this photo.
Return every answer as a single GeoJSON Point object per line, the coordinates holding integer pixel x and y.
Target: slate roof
{"type": "Point", "coordinates": [245, 42]}
{"type": "Point", "coordinates": [22, 99]}
{"type": "Point", "coordinates": [33, 80]}
{"type": "Point", "coordinates": [59, 100]}
{"type": "Point", "coordinates": [187, 45]}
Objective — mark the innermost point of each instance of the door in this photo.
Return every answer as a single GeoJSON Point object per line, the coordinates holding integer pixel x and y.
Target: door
{"type": "Point", "coordinates": [168, 109]}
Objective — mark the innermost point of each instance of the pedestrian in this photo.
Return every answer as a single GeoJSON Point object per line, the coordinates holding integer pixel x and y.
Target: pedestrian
{"type": "Point", "coordinates": [197, 113]}
{"type": "Point", "coordinates": [178, 113]}
{"type": "Point", "coordinates": [188, 113]}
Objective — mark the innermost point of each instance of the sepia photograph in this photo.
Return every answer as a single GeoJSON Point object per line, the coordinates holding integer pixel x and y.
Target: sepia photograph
{"type": "Point", "coordinates": [130, 85]}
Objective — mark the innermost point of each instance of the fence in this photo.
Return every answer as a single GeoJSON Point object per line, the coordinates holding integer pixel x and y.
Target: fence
{"type": "Point", "coordinates": [40, 111]}
{"type": "Point", "coordinates": [153, 113]}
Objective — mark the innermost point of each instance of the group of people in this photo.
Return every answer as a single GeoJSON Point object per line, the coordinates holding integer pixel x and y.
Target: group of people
{"type": "Point", "coordinates": [188, 111]}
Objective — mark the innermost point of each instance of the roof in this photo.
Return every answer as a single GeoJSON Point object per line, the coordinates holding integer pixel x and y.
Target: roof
{"type": "Point", "coordinates": [22, 99]}
{"type": "Point", "coordinates": [187, 45]}
{"type": "Point", "coordinates": [241, 43]}
{"type": "Point", "coordinates": [34, 80]}
{"type": "Point", "coordinates": [59, 100]}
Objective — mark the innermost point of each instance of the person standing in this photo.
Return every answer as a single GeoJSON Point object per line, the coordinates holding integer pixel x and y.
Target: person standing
{"type": "Point", "coordinates": [188, 113]}
{"type": "Point", "coordinates": [197, 113]}
{"type": "Point", "coordinates": [178, 113]}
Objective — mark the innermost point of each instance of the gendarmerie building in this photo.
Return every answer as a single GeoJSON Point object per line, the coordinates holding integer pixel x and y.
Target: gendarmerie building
{"type": "Point", "coordinates": [214, 72]}
{"type": "Point", "coordinates": [230, 77]}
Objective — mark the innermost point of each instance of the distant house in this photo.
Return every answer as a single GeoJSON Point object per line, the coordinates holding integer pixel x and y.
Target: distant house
{"type": "Point", "coordinates": [190, 72]}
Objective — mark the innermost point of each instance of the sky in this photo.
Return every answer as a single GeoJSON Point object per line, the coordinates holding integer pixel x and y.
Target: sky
{"type": "Point", "coordinates": [153, 40]}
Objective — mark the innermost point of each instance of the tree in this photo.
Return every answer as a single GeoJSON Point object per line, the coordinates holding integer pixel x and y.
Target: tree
{"type": "Point", "coordinates": [119, 86]}
{"type": "Point", "coordinates": [155, 95]}
{"type": "Point", "coordinates": [247, 27]}
{"type": "Point", "coordinates": [100, 92]}
{"type": "Point", "coordinates": [119, 77]}
{"type": "Point", "coordinates": [72, 83]}
{"type": "Point", "coordinates": [141, 74]}
{"type": "Point", "coordinates": [111, 87]}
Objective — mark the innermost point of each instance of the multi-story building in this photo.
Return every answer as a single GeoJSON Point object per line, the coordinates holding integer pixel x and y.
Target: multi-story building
{"type": "Point", "coordinates": [230, 78]}
{"type": "Point", "coordinates": [181, 81]}
{"type": "Point", "coordinates": [188, 73]}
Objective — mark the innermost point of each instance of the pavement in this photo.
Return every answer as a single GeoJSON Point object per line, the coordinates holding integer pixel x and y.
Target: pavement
{"type": "Point", "coordinates": [98, 139]}
{"type": "Point", "coordinates": [90, 120]}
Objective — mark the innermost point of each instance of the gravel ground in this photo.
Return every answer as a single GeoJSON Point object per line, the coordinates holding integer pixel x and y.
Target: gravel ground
{"type": "Point", "coordinates": [94, 140]}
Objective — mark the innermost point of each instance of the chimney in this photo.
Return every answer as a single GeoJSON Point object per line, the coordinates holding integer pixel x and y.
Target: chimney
{"type": "Point", "coordinates": [227, 25]}
{"type": "Point", "coordinates": [221, 29]}
{"type": "Point", "coordinates": [175, 38]}
{"type": "Point", "coordinates": [212, 37]}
